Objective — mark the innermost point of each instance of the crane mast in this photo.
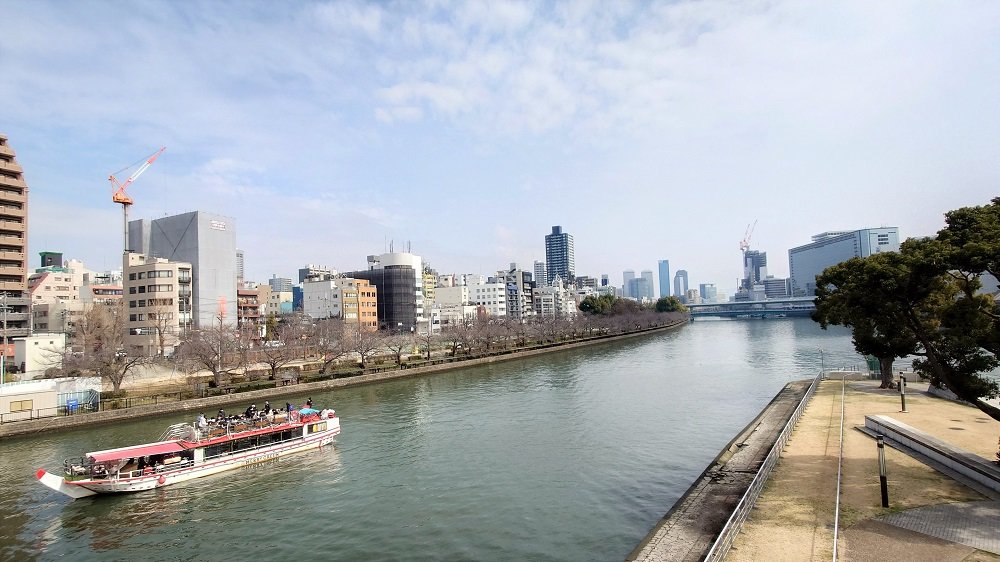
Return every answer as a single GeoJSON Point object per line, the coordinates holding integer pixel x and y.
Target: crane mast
{"type": "Point", "coordinates": [120, 196]}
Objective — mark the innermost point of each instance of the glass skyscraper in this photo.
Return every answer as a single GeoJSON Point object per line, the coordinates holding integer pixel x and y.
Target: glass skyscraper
{"type": "Point", "coordinates": [664, 278]}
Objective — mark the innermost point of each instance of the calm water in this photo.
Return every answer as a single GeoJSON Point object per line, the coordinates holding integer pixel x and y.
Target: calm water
{"type": "Point", "coordinates": [572, 456]}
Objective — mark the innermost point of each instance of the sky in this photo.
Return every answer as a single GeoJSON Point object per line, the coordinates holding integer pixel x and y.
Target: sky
{"type": "Point", "coordinates": [466, 130]}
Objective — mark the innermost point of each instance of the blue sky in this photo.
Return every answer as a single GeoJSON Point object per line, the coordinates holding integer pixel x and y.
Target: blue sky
{"type": "Point", "coordinates": [648, 130]}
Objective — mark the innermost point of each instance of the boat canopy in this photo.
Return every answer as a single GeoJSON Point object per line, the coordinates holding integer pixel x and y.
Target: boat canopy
{"type": "Point", "coordinates": [137, 451]}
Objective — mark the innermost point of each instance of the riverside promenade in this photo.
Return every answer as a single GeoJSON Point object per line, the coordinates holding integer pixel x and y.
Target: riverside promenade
{"type": "Point", "coordinates": [930, 516]}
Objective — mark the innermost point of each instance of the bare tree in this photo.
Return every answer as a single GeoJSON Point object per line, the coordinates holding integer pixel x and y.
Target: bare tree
{"type": "Point", "coordinates": [162, 318]}
{"type": "Point", "coordinates": [332, 341]}
{"type": "Point", "coordinates": [397, 344]}
{"type": "Point", "coordinates": [101, 343]}
{"type": "Point", "coordinates": [427, 341]}
{"type": "Point", "coordinates": [488, 332]}
{"type": "Point", "coordinates": [366, 343]}
{"type": "Point", "coordinates": [281, 350]}
{"type": "Point", "coordinates": [214, 348]}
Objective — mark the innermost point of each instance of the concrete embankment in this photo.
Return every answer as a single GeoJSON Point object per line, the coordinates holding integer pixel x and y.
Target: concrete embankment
{"type": "Point", "coordinates": [691, 526]}
{"type": "Point", "coordinates": [211, 403]}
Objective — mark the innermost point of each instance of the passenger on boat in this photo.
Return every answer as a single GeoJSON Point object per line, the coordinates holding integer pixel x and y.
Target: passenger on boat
{"type": "Point", "coordinates": [288, 407]}
{"type": "Point", "coordinates": [309, 402]}
{"type": "Point", "coordinates": [202, 423]}
{"type": "Point", "coordinates": [250, 410]}
{"type": "Point", "coordinates": [222, 415]}
{"type": "Point", "coordinates": [267, 407]}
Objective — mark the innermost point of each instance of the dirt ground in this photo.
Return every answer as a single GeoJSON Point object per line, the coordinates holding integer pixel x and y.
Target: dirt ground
{"type": "Point", "coordinates": [794, 517]}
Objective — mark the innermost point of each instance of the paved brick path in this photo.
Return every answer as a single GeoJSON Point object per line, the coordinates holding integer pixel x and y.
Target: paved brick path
{"type": "Point", "coordinates": [930, 517]}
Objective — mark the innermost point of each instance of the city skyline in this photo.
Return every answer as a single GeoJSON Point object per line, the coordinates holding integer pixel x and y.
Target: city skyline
{"type": "Point", "coordinates": [379, 123]}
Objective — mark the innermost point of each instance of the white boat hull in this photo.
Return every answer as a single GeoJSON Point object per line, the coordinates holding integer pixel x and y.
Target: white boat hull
{"type": "Point", "coordinates": [167, 476]}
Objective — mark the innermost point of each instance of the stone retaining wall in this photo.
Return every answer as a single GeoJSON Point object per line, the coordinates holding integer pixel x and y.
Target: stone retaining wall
{"type": "Point", "coordinates": [211, 403]}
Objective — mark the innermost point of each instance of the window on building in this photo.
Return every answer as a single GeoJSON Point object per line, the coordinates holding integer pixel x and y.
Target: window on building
{"type": "Point", "coordinates": [21, 405]}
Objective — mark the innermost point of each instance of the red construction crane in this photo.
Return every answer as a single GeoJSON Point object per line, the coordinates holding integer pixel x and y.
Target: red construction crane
{"type": "Point", "coordinates": [745, 243]}
{"type": "Point", "coordinates": [119, 195]}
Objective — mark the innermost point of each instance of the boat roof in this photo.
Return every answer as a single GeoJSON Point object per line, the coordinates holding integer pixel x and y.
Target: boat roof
{"type": "Point", "coordinates": [159, 448]}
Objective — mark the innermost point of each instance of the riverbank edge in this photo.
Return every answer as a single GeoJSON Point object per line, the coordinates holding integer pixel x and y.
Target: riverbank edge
{"type": "Point", "coordinates": [33, 427]}
{"type": "Point", "coordinates": [693, 523]}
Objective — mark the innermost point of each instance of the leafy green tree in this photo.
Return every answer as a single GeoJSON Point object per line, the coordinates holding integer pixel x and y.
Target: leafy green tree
{"type": "Point", "coordinates": [928, 293]}
{"type": "Point", "coordinates": [860, 294]}
{"type": "Point", "coordinates": [670, 304]}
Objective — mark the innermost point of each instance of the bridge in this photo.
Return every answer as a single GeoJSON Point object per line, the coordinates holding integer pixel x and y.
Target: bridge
{"type": "Point", "coordinates": [768, 308]}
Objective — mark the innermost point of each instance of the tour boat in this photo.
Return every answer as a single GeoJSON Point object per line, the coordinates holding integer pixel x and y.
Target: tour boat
{"type": "Point", "coordinates": [186, 451]}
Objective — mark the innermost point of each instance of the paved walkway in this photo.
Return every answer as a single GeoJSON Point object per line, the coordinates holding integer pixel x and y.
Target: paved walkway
{"type": "Point", "coordinates": [930, 517]}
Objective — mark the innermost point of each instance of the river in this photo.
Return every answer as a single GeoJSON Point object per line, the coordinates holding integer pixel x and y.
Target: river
{"type": "Point", "coordinates": [569, 456]}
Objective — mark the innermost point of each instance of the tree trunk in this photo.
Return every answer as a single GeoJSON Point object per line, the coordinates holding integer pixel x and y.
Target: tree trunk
{"type": "Point", "coordinates": [885, 365]}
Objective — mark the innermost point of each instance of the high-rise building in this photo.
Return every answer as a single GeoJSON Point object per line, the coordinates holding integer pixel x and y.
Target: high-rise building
{"type": "Point", "coordinates": [664, 267]}
{"type": "Point", "coordinates": [754, 269]}
{"type": "Point", "coordinates": [559, 256]}
{"type": "Point", "coordinates": [708, 292]}
{"type": "Point", "coordinates": [627, 277]}
{"type": "Point", "coordinates": [541, 276]}
{"type": "Point", "coordinates": [353, 300]}
{"type": "Point", "coordinates": [648, 276]}
{"type": "Point", "coordinates": [830, 248]}
{"type": "Point", "coordinates": [13, 247]}
{"type": "Point", "coordinates": [681, 284]}
{"type": "Point", "coordinates": [239, 266]}
{"type": "Point", "coordinates": [206, 241]}
{"type": "Point", "coordinates": [604, 279]}
{"type": "Point", "coordinates": [639, 288]}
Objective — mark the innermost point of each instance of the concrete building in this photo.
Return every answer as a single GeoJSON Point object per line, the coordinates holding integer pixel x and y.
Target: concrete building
{"type": "Point", "coordinates": [279, 303]}
{"type": "Point", "coordinates": [315, 272]}
{"type": "Point", "coordinates": [205, 241]}
{"type": "Point", "coordinates": [280, 284]}
{"type": "Point", "coordinates": [353, 300]}
{"type": "Point", "coordinates": [555, 301]}
{"type": "Point", "coordinates": [35, 354]}
{"type": "Point", "coordinates": [239, 266]}
{"type": "Point", "coordinates": [604, 279]}
{"type": "Point", "coordinates": [681, 284]}
{"type": "Point", "coordinates": [491, 298]}
{"type": "Point", "coordinates": [13, 247]}
{"type": "Point", "coordinates": [249, 313]}
{"type": "Point", "coordinates": [541, 275]}
{"type": "Point", "coordinates": [775, 288]}
{"type": "Point", "coordinates": [520, 296]}
{"type": "Point", "coordinates": [53, 283]}
{"type": "Point", "coordinates": [159, 301]}
{"type": "Point", "coordinates": [559, 256]}
{"type": "Point", "coordinates": [830, 248]}
{"type": "Point", "coordinates": [692, 296]}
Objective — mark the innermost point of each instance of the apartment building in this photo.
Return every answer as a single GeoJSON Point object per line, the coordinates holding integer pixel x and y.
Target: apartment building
{"type": "Point", "coordinates": [158, 299]}
{"type": "Point", "coordinates": [353, 300]}
{"type": "Point", "coordinates": [13, 245]}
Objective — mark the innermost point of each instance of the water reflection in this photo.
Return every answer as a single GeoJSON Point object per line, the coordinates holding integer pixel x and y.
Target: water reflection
{"type": "Point", "coordinates": [567, 456]}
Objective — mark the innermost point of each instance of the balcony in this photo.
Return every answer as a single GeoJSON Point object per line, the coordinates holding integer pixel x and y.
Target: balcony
{"type": "Point", "coordinates": [12, 182]}
{"type": "Point", "coordinates": [6, 150]}
{"type": "Point", "coordinates": [11, 239]}
{"type": "Point", "coordinates": [12, 256]}
{"type": "Point", "coordinates": [11, 166]}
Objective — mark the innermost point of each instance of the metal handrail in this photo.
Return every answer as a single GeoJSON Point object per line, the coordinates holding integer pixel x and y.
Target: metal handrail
{"type": "Point", "coordinates": [840, 466]}
{"type": "Point", "coordinates": [735, 522]}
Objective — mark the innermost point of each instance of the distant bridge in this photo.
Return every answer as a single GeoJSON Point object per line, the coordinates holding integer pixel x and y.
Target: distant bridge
{"type": "Point", "coordinates": [768, 308]}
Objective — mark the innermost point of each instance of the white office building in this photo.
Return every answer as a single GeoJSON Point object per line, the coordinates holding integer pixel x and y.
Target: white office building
{"type": "Point", "coordinates": [830, 248]}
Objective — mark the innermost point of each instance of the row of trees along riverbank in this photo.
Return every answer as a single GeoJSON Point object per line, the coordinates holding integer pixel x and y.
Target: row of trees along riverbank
{"type": "Point", "coordinates": [926, 301]}
{"type": "Point", "coordinates": [332, 347]}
